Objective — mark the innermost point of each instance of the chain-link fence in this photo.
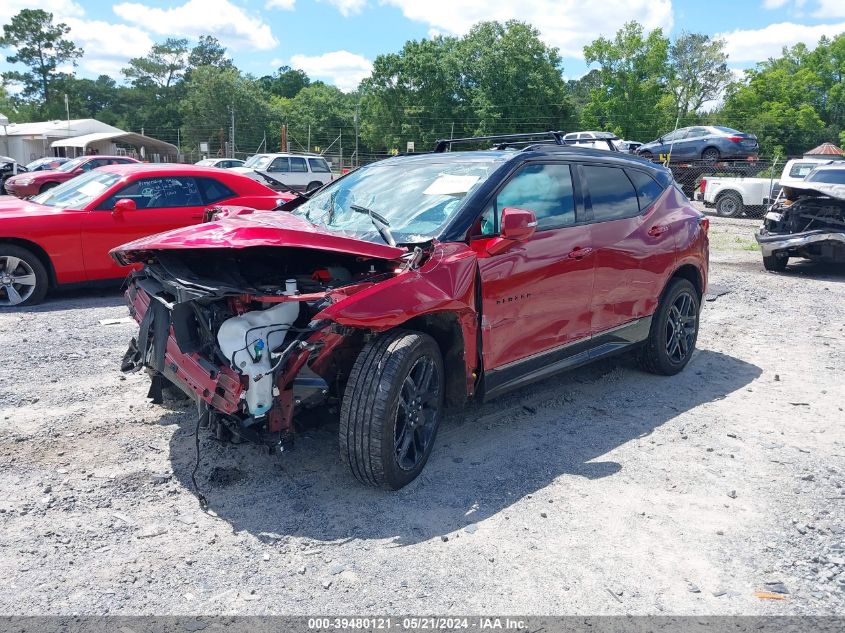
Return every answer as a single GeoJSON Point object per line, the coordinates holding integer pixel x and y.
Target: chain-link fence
{"type": "Point", "coordinates": [730, 188]}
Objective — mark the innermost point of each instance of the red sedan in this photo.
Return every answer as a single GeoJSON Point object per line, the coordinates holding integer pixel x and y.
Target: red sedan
{"type": "Point", "coordinates": [33, 183]}
{"type": "Point", "coordinates": [64, 235]}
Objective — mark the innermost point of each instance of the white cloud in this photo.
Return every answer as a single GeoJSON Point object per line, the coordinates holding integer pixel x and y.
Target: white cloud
{"type": "Point", "coordinates": [107, 46]}
{"type": "Point", "coordinates": [348, 7]}
{"type": "Point", "coordinates": [566, 24]}
{"type": "Point", "coordinates": [341, 68]}
{"type": "Point", "coordinates": [752, 45]}
{"type": "Point", "coordinates": [59, 8]}
{"type": "Point", "coordinates": [229, 23]}
{"type": "Point", "coordinates": [774, 4]}
{"type": "Point", "coordinates": [286, 5]}
{"type": "Point", "coordinates": [830, 9]}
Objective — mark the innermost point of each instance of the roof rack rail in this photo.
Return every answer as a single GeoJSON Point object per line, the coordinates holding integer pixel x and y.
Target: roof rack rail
{"type": "Point", "coordinates": [506, 140]}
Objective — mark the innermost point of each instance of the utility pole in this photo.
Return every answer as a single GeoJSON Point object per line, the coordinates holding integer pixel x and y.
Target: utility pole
{"type": "Point", "coordinates": [340, 149]}
{"type": "Point", "coordinates": [232, 133]}
{"type": "Point", "coordinates": [452, 133]}
{"type": "Point", "coordinates": [309, 137]}
{"type": "Point", "coordinates": [357, 156]}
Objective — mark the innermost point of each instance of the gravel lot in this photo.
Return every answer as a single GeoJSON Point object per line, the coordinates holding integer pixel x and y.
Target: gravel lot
{"type": "Point", "coordinates": [603, 491]}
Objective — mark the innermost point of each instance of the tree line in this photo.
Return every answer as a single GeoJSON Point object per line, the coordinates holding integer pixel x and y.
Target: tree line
{"type": "Point", "coordinates": [498, 78]}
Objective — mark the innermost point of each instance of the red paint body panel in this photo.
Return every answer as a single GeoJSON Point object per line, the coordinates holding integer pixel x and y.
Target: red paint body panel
{"type": "Point", "coordinates": [78, 241]}
{"type": "Point", "coordinates": [535, 297]}
{"type": "Point", "coordinates": [633, 266]}
{"type": "Point", "coordinates": [36, 180]}
{"type": "Point", "coordinates": [267, 229]}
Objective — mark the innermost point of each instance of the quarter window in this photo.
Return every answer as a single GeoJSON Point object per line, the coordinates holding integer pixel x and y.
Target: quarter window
{"type": "Point", "coordinates": [319, 166]}
{"type": "Point", "coordinates": [647, 188]}
{"type": "Point", "coordinates": [213, 190]}
{"type": "Point", "coordinates": [611, 193]}
{"type": "Point", "coordinates": [298, 165]}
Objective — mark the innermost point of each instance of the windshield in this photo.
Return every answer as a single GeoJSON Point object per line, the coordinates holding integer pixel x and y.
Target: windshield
{"type": "Point", "coordinates": [72, 164]}
{"type": "Point", "coordinates": [259, 161]}
{"type": "Point", "coordinates": [79, 192]}
{"type": "Point", "coordinates": [416, 199]}
{"type": "Point", "coordinates": [830, 176]}
{"type": "Point", "coordinates": [207, 161]}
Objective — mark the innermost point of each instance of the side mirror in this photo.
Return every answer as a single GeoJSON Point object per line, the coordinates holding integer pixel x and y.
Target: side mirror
{"type": "Point", "coordinates": [517, 224]}
{"type": "Point", "coordinates": [124, 205]}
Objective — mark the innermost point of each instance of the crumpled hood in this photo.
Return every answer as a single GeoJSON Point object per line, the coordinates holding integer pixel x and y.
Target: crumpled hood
{"type": "Point", "coordinates": [273, 228]}
{"type": "Point", "coordinates": [823, 188]}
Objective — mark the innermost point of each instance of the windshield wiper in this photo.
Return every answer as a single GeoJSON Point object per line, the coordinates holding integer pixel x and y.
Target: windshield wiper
{"type": "Point", "coordinates": [378, 220]}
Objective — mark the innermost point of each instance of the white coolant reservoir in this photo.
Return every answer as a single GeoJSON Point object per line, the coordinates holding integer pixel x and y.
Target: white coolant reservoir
{"type": "Point", "coordinates": [247, 341]}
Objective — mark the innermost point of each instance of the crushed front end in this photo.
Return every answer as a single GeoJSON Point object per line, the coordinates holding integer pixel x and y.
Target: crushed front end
{"type": "Point", "coordinates": [808, 222]}
{"type": "Point", "coordinates": [239, 331]}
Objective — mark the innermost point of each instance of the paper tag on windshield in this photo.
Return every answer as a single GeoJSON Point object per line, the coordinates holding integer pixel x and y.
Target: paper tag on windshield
{"type": "Point", "coordinates": [92, 189]}
{"type": "Point", "coordinates": [450, 185]}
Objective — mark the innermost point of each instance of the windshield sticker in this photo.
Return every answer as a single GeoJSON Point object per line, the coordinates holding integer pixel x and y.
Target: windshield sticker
{"type": "Point", "coordinates": [92, 189]}
{"type": "Point", "coordinates": [450, 185]}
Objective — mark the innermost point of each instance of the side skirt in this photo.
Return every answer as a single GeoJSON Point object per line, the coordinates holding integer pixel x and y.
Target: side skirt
{"type": "Point", "coordinates": [501, 380]}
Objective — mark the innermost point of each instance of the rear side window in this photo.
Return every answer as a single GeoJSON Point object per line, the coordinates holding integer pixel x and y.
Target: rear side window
{"type": "Point", "coordinates": [611, 193]}
{"type": "Point", "coordinates": [213, 190]}
{"type": "Point", "coordinates": [319, 166]}
{"type": "Point", "coordinates": [647, 188]}
{"type": "Point", "coordinates": [298, 165]}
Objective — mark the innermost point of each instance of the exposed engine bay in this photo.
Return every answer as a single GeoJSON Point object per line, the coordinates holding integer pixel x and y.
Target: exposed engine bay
{"type": "Point", "coordinates": [806, 222]}
{"type": "Point", "coordinates": [236, 330]}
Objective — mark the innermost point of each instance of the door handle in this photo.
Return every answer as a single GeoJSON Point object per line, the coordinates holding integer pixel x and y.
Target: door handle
{"type": "Point", "coordinates": [657, 231]}
{"type": "Point", "coordinates": [579, 253]}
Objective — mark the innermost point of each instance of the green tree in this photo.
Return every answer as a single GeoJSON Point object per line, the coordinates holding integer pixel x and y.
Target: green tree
{"type": "Point", "coordinates": [161, 67]}
{"type": "Point", "coordinates": [498, 78]}
{"type": "Point", "coordinates": [698, 72]}
{"type": "Point", "coordinates": [286, 82]}
{"type": "Point", "coordinates": [322, 110]}
{"type": "Point", "coordinates": [634, 70]}
{"type": "Point", "coordinates": [792, 102]}
{"type": "Point", "coordinates": [211, 97]}
{"type": "Point", "coordinates": [208, 52]}
{"type": "Point", "coordinates": [41, 46]}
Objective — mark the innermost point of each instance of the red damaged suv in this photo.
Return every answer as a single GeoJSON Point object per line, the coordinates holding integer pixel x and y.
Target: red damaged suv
{"type": "Point", "coordinates": [415, 283]}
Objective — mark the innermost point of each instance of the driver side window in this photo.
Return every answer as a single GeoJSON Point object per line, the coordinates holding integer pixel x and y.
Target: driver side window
{"type": "Point", "coordinates": [544, 189]}
{"type": "Point", "coordinates": [157, 193]}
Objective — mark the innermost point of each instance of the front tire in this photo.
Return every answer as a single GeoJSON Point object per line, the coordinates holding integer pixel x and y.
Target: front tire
{"type": "Point", "coordinates": [729, 205]}
{"type": "Point", "coordinates": [647, 155]}
{"type": "Point", "coordinates": [392, 408]}
{"type": "Point", "coordinates": [23, 278]}
{"type": "Point", "coordinates": [674, 330]}
{"type": "Point", "coordinates": [774, 263]}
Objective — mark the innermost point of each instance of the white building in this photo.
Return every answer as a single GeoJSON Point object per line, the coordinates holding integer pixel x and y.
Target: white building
{"type": "Point", "coordinates": [26, 142]}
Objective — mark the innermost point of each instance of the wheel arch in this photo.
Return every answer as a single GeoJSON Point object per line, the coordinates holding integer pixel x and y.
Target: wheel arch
{"type": "Point", "coordinates": [691, 273]}
{"type": "Point", "coordinates": [710, 146]}
{"type": "Point", "coordinates": [39, 252]}
{"type": "Point", "coordinates": [446, 330]}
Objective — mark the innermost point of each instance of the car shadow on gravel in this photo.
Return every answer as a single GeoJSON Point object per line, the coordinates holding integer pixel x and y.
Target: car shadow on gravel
{"type": "Point", "coordinates": [93, 298]}
{"type": "Point", "coordinates": [798, 268]}
{"type": "Point", "coordinates": [486, 458]}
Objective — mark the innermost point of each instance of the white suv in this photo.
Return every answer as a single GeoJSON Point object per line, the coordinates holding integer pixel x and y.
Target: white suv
{"type": "Point", "coordinates": [595, 140]}
{"type": "Point", "coordinates": [301, 172]}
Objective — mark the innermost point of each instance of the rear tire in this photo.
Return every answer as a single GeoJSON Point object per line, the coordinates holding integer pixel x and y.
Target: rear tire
{"type": "Point", "coordinates": [391, 409]}
{"type": "Point", "coordinates": [710, 155]}
{"type": "Point", "coordinates": [313, 185]}
{"type": "Point", "coordinates": [729, 205]}
{"type": "Point", "coordinates": [23, 278]}
{"type": "Point", "coordinates": [674, 330]}
{"type": "Point", "coordinates": [774, 263]}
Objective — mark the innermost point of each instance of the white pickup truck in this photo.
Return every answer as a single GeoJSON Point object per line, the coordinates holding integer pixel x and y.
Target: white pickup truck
{"type": "Point", "coordinates": [733, 196]}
